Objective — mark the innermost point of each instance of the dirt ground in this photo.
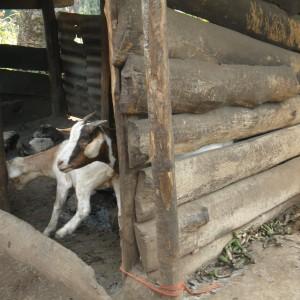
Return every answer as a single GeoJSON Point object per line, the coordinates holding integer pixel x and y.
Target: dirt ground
{"type": "Point", "coordinates": [274, 276]}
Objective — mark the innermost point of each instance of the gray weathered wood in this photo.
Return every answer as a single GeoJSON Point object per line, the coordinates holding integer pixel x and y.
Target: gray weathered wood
{"type": "Point", "coordinates": [210, 171]}
{"type": "Point", "coordinates": [191, 262]}
{"type": "Point", "coordinates": [223, 124]}
{"type": "Point", "coordinates": [190, 37]}
{"type": "Point", "coordinates": [229, 209]}
{"type": "Point", "coordinates": [161, 142]}
{"type": "Point", "coordinates": [128, 178]}
{"type": "Point", "coordinates": [197, 87]}
{"type": "Point", "coordinates": [256, 18]}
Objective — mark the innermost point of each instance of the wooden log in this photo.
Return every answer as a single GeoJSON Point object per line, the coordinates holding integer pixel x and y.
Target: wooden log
{"type": "Point", "coordinates": [197, 87]}
{"type": "Point", "coordinates": [53, 52]}
{"type": "Point", "coordinates": [161, 142]}
{"type": "Point", "coordinates": [191, 262]}
{"type": "Point", "coordinates": [229, 209]}
{"type": "Point", "coordinates": [23, 83]}
{"type": "Point", "coordinates": [22, 242]}
{"type": "Point", "coordinates": [192, 38]}
{"type": "Point", "coordinates": [128, 177]}
{"type": "Point", "coordinates": [193, 131]}
{"type": "Point", "coordinates": [4, 204]}
{"type": "Point", "coordinates": [26, 58]}
{"type": "Point", "coordinates": [292, 7]}
{"type": "Point", "coordinates": [256, 18]}
{"type": "Point", "coordinates": [207, 172]}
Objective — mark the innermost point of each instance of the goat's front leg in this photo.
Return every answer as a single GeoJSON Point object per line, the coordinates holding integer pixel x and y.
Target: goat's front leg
{"type": "Point", "coordinates": [83, 210]}
{"type": "Point", "coordinates": [61, 197]}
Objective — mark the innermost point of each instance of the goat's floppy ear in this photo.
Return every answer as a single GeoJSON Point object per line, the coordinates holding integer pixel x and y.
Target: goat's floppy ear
{"type": "Point", "coordinates": [86, 118]}
{"type": "Point", "coordinates": [98, 123]}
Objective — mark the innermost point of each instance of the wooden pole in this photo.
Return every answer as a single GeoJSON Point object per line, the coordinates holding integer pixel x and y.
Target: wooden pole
{"type": "Point", "coordinates": [4, 204]}
{"type": "Point", "coordinates": [53, 53]}
{"type": "Point", "coordinates": [128, 177]}
{"type": "Point", "coordinates": [161, 139]}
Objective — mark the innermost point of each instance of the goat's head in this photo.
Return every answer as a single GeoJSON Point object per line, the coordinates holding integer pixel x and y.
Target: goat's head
{"type": "Point", "coordinates": [87, 143]}
{"type": "Point", "coordinates": [18, 173]}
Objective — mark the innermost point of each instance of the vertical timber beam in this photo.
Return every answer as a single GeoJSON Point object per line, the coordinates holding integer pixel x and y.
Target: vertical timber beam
{"type": "Point", "coordinates": [53, 53]}
{"type": "Point", "coordinates": [128, 177]}
{"type": "Point", "coordinates": [4, 204]}
{"type": "Point", "coordinates": [161, 138]}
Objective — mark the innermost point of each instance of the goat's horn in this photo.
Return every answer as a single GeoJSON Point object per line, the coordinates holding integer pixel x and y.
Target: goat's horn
{"type": "Point", "coordinates": [86, 118]}
{"type": "Point", "coordinates": [64, 130]}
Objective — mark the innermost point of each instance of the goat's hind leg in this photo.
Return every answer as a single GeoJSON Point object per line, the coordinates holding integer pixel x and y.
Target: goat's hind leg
{"type": "Point", "coordinates": [61, 197]}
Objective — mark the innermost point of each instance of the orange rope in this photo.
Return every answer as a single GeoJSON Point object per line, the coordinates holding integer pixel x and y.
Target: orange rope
{"type": "Point", "coordinates": [170, 290]}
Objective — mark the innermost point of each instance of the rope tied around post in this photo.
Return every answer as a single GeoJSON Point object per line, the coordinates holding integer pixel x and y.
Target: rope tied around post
{"type": "Point", "coordinates": [170, 290]}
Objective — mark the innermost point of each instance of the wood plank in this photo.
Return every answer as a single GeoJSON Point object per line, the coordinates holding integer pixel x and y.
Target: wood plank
{"type": "Point", "coordinates": [162, 140]}
{"type": "Point", "coordinates": [23, 83]}
{"type": "Point", "coordinates": [26, 58]}
{"type": "Point", "coordinates": [230, 208]}
{"type": "Point", "coordinates": [53, 53]}
{"type": "Point", "coordinates": [193, 131]}
{"type": "Point", "coordinates": [190, 37]}
{"type": "Point", "coordinates": [258, 19]}
{"type": "Point", "coordinates": [31, 4]}
{"type": "Point", "coordinates": [197, 87]}
{"type": "Point", "coordinates": [128, 177]}
{"type": "Point", "coordinates": [204, 173]}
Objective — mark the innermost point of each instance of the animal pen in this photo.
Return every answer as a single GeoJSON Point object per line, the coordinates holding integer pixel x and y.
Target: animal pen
{"type": "Point", "coordinates": [223, 74]}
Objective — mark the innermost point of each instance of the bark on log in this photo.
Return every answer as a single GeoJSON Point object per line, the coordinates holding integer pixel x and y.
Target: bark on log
{"type": "Point", "coordinates": [290, 6]}
{"type": "Point", "coordinates": [192, 38]}
{"type": "Point", "coordinates": [228, 209]}
{"type": "Point", "coordinates": [256, 18]}
{"type": "Point", "coordinates": [197, 87]}
{"type": "Point", "coordinates": [221, 125]}
{"type": "Point", "coordinates": [210, 171]}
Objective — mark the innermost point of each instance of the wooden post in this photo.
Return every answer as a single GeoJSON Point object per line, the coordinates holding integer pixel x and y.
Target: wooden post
{"type": "Point", "coordinates": [128, 177]}
{"type": "Point", "coordinates": [53, 53]}
{"type": "Point", "coordinates": [161, 139]}
{"type": "Point", "coordinates": [4, 204]}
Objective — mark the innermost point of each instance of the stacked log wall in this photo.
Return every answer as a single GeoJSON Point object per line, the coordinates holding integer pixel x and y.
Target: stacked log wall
{"type": "Point", "coordinates": [230, 92]}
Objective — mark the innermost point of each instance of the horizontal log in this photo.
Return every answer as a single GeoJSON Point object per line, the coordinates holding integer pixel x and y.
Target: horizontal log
{"type": "Point", "coordinates": [74, 18]}
{"type": "Point", "coordinates": [190, 37]}
{"type": "Point", "coordinates": [192, 262]}
{"type": "Point", "coordinates": [24, 83]}
{"type": "Point", "coordinates": [229, 123]}
{"type": "Point", "coordinates": [197, 87]}
{"type": "Point", "coordinates": [26, 58]}
{"type": "Point", "coordinates": [292, 7]}
{"type": "Point", "coordinates": [31, 4]}
{"type": "Point", "coordinates": [207, 172]}
{"type": "Point", "coordinates": [229, 209]}
{"type": "Point", "coordinates": [256, 18]}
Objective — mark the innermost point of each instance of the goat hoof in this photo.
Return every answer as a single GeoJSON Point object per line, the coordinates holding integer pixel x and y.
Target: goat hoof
{"type": "Point", "coordinates": [60, 235]}
{"type": "Point", "coordinates": [48, 233]}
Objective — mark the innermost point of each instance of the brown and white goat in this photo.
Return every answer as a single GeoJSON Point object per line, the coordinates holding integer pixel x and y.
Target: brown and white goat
{"type": "Point", "coordinates": [94, 174]}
